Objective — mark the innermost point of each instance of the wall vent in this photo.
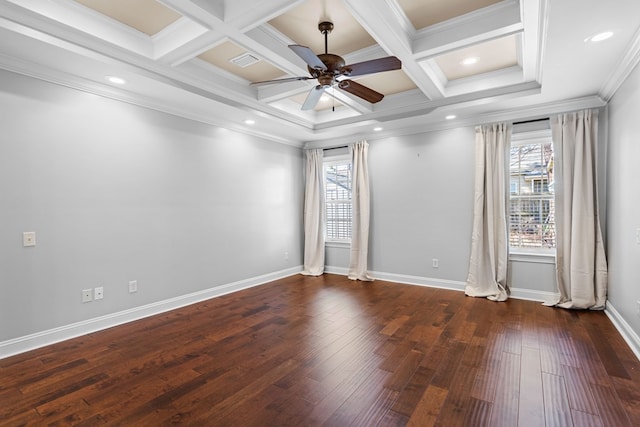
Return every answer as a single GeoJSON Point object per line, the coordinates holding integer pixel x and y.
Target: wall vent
{"type": "Point", "coordinates": [244, 60]}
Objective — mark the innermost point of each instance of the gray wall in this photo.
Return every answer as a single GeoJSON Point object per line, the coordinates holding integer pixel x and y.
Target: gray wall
{"type": "Point", "coordinates": [422, 203]}
{"type": "Point", "coordinates": [422, 208]}
{"type": "Point", "coordinates": [116, 192]}
{"type": "Point", "coordinates": [623, 200]}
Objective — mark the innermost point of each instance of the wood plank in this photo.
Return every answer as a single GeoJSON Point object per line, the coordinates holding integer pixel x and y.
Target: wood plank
{"type": "Point", "coordinates": [608, 354]}
{"type": "Point", "coordinates": [614, 411]}
{"type": "Point", "coordinates": [530, 406]}
{"type": "Point", "coordinates": [334, 400]}
{"type": "Point", "coordinates": [582, 419]}
{"type": "Point", "coordinates": [456, 405]}
{"type": "Point", "coordinates": [413, 391]}
{"type": "Point", "coordinates": [478, 413]}
{"type": "Point", "coordinates": [364, 400]}
{"type": "Point", "coordinates": [400, 377]}
{"type": "Point", "coordinates": [504, 410]}
{"type": "Point", "coordinates": [394, 325]}
{"type": "Point", "coordinates": [580, 397]}
{"type": "Point", "coordinates": [428, 409]}
{"type": "Point", "coordinates": [557, 411]}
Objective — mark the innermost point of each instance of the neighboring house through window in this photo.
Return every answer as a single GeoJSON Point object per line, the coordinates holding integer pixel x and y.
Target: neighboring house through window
{"type": "Point", "coordinates": [531, 210]}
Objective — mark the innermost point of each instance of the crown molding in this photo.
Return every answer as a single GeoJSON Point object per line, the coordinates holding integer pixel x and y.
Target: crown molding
{"type": "Point", "coordinates": [435, 123]}
{"type": "Point", "coordinates": [623, 70]}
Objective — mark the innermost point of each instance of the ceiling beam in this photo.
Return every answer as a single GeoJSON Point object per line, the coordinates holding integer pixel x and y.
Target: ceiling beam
{"type": "Point", "coordinates": [492, 22]}
{"type": "Point", "coordinates": [389, 30]}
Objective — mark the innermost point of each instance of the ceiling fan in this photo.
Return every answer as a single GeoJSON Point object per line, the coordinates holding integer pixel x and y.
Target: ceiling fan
{"type": "Point", "coordinates": [330, 70]}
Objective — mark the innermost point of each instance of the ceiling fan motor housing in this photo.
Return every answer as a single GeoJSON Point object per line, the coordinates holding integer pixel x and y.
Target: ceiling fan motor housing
{"type": "Point", "coordinates": [334, 64]}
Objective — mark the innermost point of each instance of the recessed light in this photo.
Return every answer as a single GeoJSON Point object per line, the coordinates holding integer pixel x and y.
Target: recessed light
{"type": "Point", "coordinates": [377, 129]}
{"type": "Point", "coordinates": [450, 117]}
{"type": "Point", "coordinates": [116, 80]}
{"type": "Point", "coordinates": [599, 37]}
{"type": "Point", "coordinates": [470, 60]}
{"type": "Point", "coordinates": [249, 122]}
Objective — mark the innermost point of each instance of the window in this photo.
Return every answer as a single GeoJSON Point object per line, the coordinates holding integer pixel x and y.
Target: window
{"type": "Point", "coordinates": [337, 178]}
{"type": "Point", "coordinates": [531, 210]}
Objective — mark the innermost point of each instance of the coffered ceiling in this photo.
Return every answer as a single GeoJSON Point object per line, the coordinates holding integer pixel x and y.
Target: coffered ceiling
{"type": "Point", "coordinates": [476, 59]}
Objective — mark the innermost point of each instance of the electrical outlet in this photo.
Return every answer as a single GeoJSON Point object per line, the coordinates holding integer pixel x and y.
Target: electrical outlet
{"type": "Point", "coordinates": [98, 293]}
{"type": "Point", "coordinates": [86, 295]}
{"type": "Point", "coordinates": [133, 286]}
{"type": "Point", "coordinates": [434, 263]}
{"type": "Point", "coordinates": [286, 255]}
{"type": "Point", "coordinates": [29, 238]}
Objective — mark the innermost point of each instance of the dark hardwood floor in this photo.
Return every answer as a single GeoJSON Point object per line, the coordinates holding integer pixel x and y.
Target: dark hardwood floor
{"type": "Point", "coordinates": [329, 351]}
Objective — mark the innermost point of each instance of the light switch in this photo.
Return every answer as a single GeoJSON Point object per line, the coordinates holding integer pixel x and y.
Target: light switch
{"type": "Point", "coordinates": [29, 238]}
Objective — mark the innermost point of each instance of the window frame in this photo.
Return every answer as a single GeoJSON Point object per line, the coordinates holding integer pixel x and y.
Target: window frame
{"type": "Point", "coordinates": [531, 254]}
{"type": "Point", "coordinates": [339, 159]}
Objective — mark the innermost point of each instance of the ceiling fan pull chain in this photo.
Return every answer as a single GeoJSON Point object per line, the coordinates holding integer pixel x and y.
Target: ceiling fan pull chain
{"type": "Point", "coordinates": [333, 99]}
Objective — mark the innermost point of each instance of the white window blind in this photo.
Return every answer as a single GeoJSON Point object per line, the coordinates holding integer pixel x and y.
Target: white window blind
{"type": "Point", "coordinates": [338, 200]}
{"type": "Point", "coordinates": [532, 210]}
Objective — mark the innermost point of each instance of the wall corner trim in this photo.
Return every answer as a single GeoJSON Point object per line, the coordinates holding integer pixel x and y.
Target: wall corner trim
{"type": "Point", "coordinates": [51, 336]}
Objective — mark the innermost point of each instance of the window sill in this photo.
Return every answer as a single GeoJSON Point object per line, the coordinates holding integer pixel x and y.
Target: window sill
{"type": "Point", "coordinates": [337, 244]}
{"type": "Point", "coordinates": [535, 257]}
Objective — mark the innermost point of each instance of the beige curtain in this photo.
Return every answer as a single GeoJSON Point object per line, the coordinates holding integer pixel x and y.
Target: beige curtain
{"type": "Point", "coordinates": [314, 214]}
{"type": "Point", "coordinates": [361, 209]}
{"type": "Point", "coordinates": [489, 239]}
{"type": "Point", "coordinates": [581, 267]}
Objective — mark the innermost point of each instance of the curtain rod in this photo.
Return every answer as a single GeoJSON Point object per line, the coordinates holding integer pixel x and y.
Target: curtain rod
{"type": "Point", "coordinates": [335, 148]}
{"type": "Point", "coordinates": [531, 121]}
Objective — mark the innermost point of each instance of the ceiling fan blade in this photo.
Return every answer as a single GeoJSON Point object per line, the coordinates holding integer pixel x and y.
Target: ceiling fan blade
{"type": "Point", "coordinates": [308, 56]}
{"type": "Point", "coordinates": [360, 91]}
{"type": "Point", "coordinates": [288, 79]}
{"type": "Point", "coordinates": [373, 66]}
{"type": "Point", "coordinates": [313, 98]}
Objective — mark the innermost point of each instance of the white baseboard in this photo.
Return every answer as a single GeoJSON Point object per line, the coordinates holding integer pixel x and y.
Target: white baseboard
{"type": "Point", "coordinates": [40, 339]}
{"type": "Point", "coordinates": [419, 280]}
{"type": "Point", "coordinates": [624, 328]}
{"type": "Point", "coordinates": [336, 270]}
{"type": "Point", "coordinates": [533, 295]}
{"type": "Point", "coordinates": [517, 293]}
